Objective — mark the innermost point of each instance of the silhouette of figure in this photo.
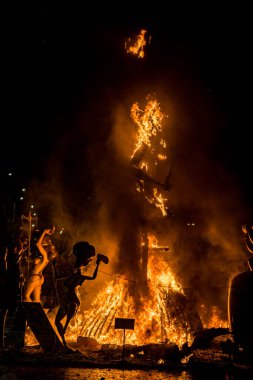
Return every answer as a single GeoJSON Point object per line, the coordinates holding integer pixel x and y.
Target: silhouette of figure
{"type": "Point", "coordinates": [40, 260]}
{"type": "Point", "coordinates": [69, 302]}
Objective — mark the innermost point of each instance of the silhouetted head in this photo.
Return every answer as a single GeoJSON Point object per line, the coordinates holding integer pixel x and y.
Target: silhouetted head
{"type": "Point", "coordinates": [84, 252]}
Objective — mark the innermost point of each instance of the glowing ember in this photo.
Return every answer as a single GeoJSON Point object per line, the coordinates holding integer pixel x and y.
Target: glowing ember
{"type": "Point", "coordinates": [161, 157]}
{"type": "Point", "coordinates": [30, 339]}
{"type": "Point", "coordinates": [136, 47]}
{"type": "Point", "coordinates": [144, 166]}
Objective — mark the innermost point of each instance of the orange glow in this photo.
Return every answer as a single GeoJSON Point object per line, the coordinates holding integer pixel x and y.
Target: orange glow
{"type": "Point", "coordinates": [30, 339]}
{"type": "Point", "coordinates": [136, 47]}
{"type": "Point", "coordinates": [149, 122]}
{"type": "Point", "coordinates": [211, 317]}
{"type": "Point", "coordinates": [159, 316]}
{"type": "Point", "coordinates": [152, 241]}
{"type": "Point", "coordinates": [161, 157]}
{"type": "Point", "coordinates": [158, 201]}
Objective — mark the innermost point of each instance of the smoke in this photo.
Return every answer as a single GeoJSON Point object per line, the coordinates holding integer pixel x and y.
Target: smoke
{"type": "Point", "coordinates": [204, 232]}
{"type": "Point", "coordinates": [207, 201]}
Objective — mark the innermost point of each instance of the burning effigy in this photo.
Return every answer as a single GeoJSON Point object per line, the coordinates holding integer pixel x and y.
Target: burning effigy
{"type": "Point", "coordinates": [147, 290]}
{"type": "Point", "coordinates": [143, 287]}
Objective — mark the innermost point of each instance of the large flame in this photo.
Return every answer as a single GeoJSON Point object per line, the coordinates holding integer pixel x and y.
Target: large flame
{"type": "Point", "coordinates": [154, 321]}
{"type": "Point", "coordinates": [149, 122]}
{"type": "Point", "coordinates": [211, 317]}
{"type": "Point", "coordinates": [159, 318]}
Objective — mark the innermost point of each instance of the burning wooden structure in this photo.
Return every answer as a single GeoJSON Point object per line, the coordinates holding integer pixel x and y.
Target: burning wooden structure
{"type": "Point", "coordinates": [148, 291]}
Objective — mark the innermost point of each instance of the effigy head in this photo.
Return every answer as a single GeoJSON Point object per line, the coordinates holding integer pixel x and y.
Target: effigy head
{"type": "Point", "coordinates": [84, 252]}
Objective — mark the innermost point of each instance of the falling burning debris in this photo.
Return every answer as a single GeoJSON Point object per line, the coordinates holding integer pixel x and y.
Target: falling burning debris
{"type": "Point", "coordinates": [136, 47]}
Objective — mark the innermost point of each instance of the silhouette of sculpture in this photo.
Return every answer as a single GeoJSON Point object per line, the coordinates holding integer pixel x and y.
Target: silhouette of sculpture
{"type": "Point", "coordinates": [68, 299]}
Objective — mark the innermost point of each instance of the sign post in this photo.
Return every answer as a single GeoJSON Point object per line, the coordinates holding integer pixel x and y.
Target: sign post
{"type": "Point", "coordinates": [124, 323]}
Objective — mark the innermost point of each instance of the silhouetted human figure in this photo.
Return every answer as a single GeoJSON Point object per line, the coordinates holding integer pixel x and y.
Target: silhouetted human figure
{"type": "Point", "coordinates": [36, 279]}
{"type": "Point", "coordinates": [69, 302]}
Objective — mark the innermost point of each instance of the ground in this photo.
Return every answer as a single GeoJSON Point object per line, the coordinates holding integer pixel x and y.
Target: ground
{"type": "Point", "coordinates": [207, 363]}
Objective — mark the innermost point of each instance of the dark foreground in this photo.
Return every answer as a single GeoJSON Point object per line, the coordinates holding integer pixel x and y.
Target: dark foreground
{"type": "Point", "coordinates": [50, 373]}
{"type": "Point", "coordinates": [207, 363]}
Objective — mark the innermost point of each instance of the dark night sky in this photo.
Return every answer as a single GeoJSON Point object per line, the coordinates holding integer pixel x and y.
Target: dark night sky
{"type": "Point", "coordinates": [61, 62]}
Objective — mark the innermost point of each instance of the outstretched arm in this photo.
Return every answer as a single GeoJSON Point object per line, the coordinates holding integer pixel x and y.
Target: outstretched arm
{"type": "Point", "coordinates": [95, 271]}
